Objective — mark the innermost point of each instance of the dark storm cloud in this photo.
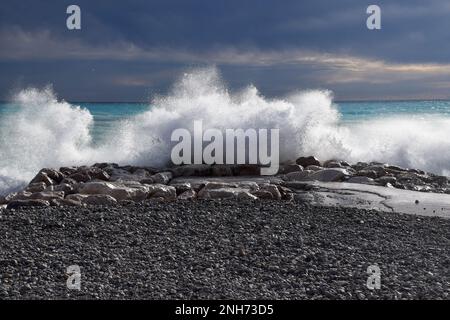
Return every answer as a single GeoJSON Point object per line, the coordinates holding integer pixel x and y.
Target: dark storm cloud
{"type": "Point", "coordinates": [137, 47]}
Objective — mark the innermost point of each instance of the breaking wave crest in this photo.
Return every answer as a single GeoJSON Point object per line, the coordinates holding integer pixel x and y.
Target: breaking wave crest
{"type": "Point", "coordinates": [47, 132]}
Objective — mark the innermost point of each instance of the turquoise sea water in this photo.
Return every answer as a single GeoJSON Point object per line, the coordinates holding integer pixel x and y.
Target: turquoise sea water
{"type": "Point", "coordinates": [107, 114]}
{"type": "Point", "coordinates": [39, 131]}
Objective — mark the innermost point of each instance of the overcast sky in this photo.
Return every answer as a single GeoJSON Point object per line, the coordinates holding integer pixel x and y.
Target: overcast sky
{"type": "Point", "coordinates": [130, 50]}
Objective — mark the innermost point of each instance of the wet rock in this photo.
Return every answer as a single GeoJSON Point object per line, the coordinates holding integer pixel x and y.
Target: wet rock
{"type": "Point", "coordinates": [384, 180]}
{"type": "Point", "coordinates": [116, 190]}
{"type": "Point", "coordinates": [181, 187]}
{"type": "Point", "coordinates": [42, 177]}
{"type": "Point", "coordinates": [67, 171]}
{"type": "Point", "coordinates": [36, 187]}
{"type": "Point", "coordinates": [288, 168]}
{"type": "Point", "coordinates": [380, 170]}
{"type": "Point", "coordinates": [333, 164]}
{"type": "Point", "coordinates": [299, 176]}
{"type": "Point", "coordinates": [162, 191]}
{"type": "Point", "coordinates": [272, 189]}
{"type": "Point", "coordinates": [361, 179]}
{"type": "Point", "coordinates": [47, 195]}
{"type": "Point", "coordinates": [162, 177]}
{"type": "Point", "coordinates": [225, 193]}
{"type": "Point", "coordinates": [286, 193]}
{"type": "Point", "coordinates": [188, 195]}
{"type": "Point", "coordinates": [367, 173]}
{"type": "Point", "coordinates": [250, 185]}
{"type": "Point", "coordinates": [99, 200]}
{"type": "Point", "coordinates": [97, 173]}
{"type": "Point", "coordinates": [78, 177]}
{"type": "Point", "coordinates": [211, 185]}
{"type": "Point", "coordinates": [314, 168]}
{"type": "Point", "coordinates": [263, 194]}
{"type": "Point", "coordinates": [440, 181]}
{"type": "Point", "coordinates": [64, 187]}
{"type": "Point", "coordinates": [360, 166]}
{"type": "Point", "coordinates": [308, 161]}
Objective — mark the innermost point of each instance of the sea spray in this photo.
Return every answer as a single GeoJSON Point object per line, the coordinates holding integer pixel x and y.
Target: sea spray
{"type": "Point", "coordinates": [47, 132]}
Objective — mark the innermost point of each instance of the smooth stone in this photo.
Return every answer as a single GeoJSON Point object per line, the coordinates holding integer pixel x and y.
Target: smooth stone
{"type": "Point", "coordinates": [162, 177]}
{"type": "Point", "coordinates": [299, 176]}
{"type": "Point", "coordinates": [314, 168]}
{"type": "Point", "coordinates": [99, 200]}
{"type": "Point", "coordinates": [225, 193]}
{"type": "Point", "coordinates": [249, 185]}
{"type": "Point", "coordinates": [272, 189]}
{"type": "Point", "coordinates": [162, 191]}
{"type": "Point", "coordinates": [181, 187]}
{"type": "Point", "coordinates": [332, 164]}
{"type": "Point", "coordinates": [308, 161]}
{"type": "Point", "coordinates": [367, 173]}
{"type": "Point", "coordinates": [288, 168]}
{"type": "Point", "coordinates": [117, 191]}
{"type": "Point", "coordinates": [47, 195]}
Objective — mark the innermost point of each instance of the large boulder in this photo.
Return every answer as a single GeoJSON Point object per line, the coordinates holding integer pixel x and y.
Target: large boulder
{"type": "Point", "coordinates": [47, 195]}
{"type": "Point", "coordinates": [268, 188]}
{"type": "Point", "coordinates": [118, 191]}
{"type": "Point", "coordinates": [307, 161]}
{"type": "Point", "coordinates": [42, 177]}
{"type": "Point", "coordinates": [361, 180]}
{"type": "Point", "coordinates": [299, 176]}
{"type": "Point", "coordinates": [226, 193]}
{"type": "Point", "coordinates": [367, 173]}
{"type": "Point", "coordinates": [181, 187]}
{"type": "Point", "coordinates": [380, 170]}
{"type": "Point", "coordinates": [162, 177]}
{"type": "Point", "coordinates": [162, 191]}
{"type": "Point", "coordinates": [288, 168]}
{"type": "Point", "coordinates": [98, 200]}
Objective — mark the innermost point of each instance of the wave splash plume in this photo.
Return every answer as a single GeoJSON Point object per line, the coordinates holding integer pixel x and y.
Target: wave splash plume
{"type": "Point", "coordinates": [47, 132]}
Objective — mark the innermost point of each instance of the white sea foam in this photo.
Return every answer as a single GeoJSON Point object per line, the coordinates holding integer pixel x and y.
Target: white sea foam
{"type": "Point", "coordinates": [45, 132]}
